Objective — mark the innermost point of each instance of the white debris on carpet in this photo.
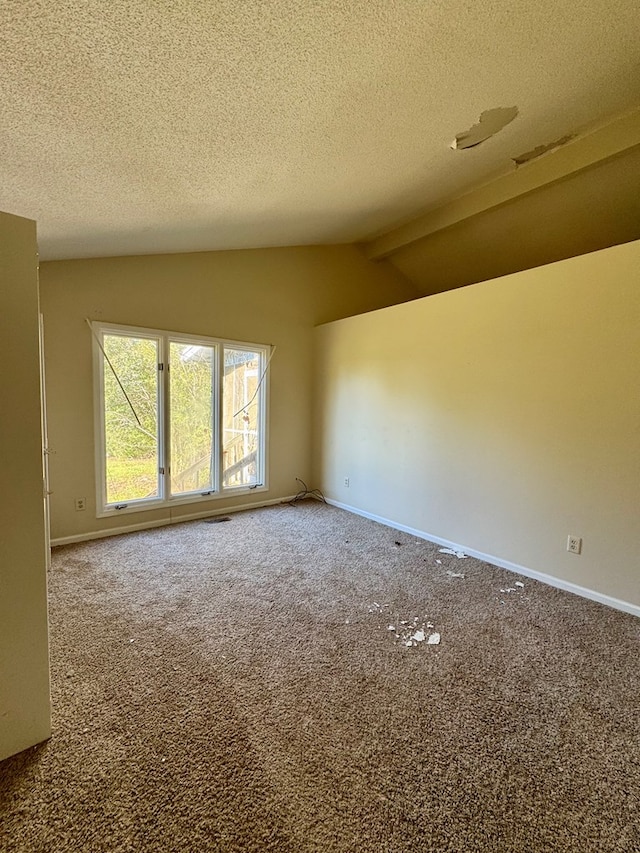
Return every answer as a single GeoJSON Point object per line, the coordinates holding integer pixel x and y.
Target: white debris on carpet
{"type": "Point", "coordinates": [518, 585]}
{"type": "Point", "coordinates": [408, 632]}
{"type": "Point", "coordinates": [455, 575]}
{"type": "Point", "coordinates": [459, 554]}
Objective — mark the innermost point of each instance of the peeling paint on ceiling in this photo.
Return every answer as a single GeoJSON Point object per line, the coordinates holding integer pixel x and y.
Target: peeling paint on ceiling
{"type": "Point", "coordinates": [490, 123]}
{"type": "Point", "coordinates": [528, 156]}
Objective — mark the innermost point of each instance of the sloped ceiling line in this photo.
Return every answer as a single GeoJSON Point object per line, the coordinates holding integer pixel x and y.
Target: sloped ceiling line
{"type": "Point", "coordinates": [581, 154]}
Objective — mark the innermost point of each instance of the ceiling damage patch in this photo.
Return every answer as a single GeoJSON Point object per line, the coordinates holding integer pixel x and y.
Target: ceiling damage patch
{"type": "Point", "coordinates": [491, 121]}
{"type": "Point", "coordinates": [528, 156]}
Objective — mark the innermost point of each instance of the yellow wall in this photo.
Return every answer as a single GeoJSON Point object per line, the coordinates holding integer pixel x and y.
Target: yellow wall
{"type": "Point", "coordinates": [24, 662]}
{"type": "Point", "coordinates": [272, 296]}
{"type": "Point", "coordinates": [501, 417]}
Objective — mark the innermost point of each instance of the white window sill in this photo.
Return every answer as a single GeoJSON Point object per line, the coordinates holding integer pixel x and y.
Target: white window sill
{"type": "Point", "coordinates": [158, 503]}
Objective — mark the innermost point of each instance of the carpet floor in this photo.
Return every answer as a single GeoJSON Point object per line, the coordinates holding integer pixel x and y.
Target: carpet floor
{"type": "Point", "coordinates": [274, 683]}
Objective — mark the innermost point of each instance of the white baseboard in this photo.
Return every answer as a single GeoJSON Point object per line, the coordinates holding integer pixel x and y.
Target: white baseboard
{"type": "Point", "coordinates": [163, 522]}
{"type": "Point", "coordinates": [550, 580]}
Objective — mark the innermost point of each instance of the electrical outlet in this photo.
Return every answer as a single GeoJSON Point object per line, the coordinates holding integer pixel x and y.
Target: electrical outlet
{"type": "Point", "coordinates": [574, 544]}
{"type": "Point", "coordinates": [81, 504]}
{"type": "Point", "coordinates": [346, 482]}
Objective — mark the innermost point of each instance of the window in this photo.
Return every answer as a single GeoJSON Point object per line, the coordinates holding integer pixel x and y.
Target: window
{"type": "Point", "coordinates": [178, 418]}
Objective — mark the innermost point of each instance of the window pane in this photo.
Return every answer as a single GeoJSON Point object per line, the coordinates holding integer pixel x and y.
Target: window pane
{"type": "Point", "coordinates": [192, 418]}
{"type": "Point", "coordinates": [241, 418]}
{"type": "Point", "coordinates": [131, 426]}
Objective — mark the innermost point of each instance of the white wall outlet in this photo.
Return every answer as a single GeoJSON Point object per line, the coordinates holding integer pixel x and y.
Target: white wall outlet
{"type": "Point", "coordinates": [346, 482]}
{"type": "Point", "coordinates": [574, 544]}
{"type": "Point", "coordinates": [81, 504]}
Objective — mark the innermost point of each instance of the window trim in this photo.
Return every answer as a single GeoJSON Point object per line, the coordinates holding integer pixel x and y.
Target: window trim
{"type": "Point", "coordinates": [165, 500]}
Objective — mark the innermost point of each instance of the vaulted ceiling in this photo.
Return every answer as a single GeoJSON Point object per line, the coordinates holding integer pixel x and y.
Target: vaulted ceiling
{"type": "Point", "coordinates": [132, 126]}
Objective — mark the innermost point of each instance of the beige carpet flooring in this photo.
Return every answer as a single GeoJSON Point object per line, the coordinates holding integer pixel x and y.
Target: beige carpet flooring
{"type": "Point", "coordinates": [236, 687]}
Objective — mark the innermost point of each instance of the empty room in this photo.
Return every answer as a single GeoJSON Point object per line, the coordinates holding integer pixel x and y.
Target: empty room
{"type": "Point", "coordinates": [320, 426]}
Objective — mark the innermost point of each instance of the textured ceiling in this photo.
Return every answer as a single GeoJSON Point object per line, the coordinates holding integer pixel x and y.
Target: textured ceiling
{"type": "Point", "coordinates": [141, 126]}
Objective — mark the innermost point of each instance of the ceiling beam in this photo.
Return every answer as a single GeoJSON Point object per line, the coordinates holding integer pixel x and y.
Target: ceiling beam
{"type": "Point", "coordinates": [584, 152]}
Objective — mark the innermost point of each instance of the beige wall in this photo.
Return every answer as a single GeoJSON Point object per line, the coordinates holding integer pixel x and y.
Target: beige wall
{"type": "Point", "coordinates": [24, 662]}
{"type": "Point", "coordinates": [272, 296]}
{"type": "Point", "coordinates": [502, 417]}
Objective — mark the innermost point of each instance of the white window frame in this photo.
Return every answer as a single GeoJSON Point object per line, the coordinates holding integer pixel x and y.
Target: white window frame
{"type": "Point", "coordinates": [165, 499]}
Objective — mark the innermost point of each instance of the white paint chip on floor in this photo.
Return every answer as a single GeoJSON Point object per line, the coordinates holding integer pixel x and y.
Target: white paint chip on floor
{"type": "Point", "coordinates": [518, 586]}
{"type": "Point", "coordinates": [459, 554]}
{"type": "Point", "coordinates": [407, 632]}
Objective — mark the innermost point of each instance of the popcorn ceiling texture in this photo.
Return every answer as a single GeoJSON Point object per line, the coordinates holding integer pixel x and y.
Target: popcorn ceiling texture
{"type": "Point", "coordinates": [229, 687]}
{"type": "Point", "coordinates": [179, 125]}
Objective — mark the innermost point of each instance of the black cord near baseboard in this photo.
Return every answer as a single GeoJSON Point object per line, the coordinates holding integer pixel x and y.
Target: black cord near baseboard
{"type": "Point", "coordinates": [304, 493]}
